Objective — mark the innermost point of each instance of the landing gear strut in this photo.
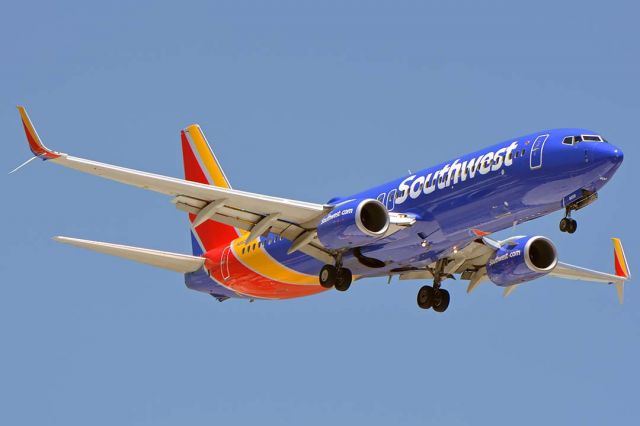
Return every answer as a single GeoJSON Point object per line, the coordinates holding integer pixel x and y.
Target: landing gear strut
{"type": "Point", "coordinates": [335, 276]}
{"type": "Point", "coordinates": [585, 198]}
{"type": "Point", "coordinates": [435, 297]}
{"type": "Point", "coordinates": [567, 224]}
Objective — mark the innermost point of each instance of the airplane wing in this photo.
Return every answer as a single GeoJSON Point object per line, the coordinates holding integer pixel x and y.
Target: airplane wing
{"type": "Point", "coordinates": [256, 213]}
{"type": "Point", "coordinates": [470, 261]}
{"type": "Point", "coordinates": [564, 270]}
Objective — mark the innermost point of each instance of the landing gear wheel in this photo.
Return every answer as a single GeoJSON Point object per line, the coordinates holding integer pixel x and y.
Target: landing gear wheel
{"type": "Point", "coordinates": [343, 279]}
{"type": "Point", "coordinates": [568, 225]}
{"type": "Point", "coordinates": [441, 300]}
{"type": "Point", "coordinates": [328, 276]}
{"type": "Point", "coordinates": [425, 297]}
{"type": "Point", "coordinates": [564, 224]}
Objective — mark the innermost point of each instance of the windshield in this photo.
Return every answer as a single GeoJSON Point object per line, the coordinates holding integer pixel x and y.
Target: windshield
{"type": "Point", "coordinates": [571, 140]}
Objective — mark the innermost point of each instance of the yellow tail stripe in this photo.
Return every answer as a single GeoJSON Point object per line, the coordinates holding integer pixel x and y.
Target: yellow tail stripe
{"type": "Point", "coordinates": [207, 157]}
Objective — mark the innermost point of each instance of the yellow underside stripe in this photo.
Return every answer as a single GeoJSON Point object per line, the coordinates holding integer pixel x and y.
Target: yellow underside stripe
{"type": "Point", "coordinates": [265, 265]}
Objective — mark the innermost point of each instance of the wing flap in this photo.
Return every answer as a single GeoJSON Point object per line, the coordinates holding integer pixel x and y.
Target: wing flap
{"type": "Point", "coordinates": [161, 259]}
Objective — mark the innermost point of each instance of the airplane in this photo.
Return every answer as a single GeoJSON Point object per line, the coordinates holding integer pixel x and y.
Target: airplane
{"type": "Point", "coordinates": [432, 225]}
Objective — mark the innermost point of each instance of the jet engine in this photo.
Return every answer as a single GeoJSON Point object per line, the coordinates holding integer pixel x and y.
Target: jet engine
{"type": "Point", "coordinates": [522, 259]}
{"type": "Point", "coordinates": [353, 223]}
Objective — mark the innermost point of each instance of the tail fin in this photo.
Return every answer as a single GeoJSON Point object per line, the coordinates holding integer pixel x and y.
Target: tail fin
{"type": "Point", "coordinates": [622, 267]}
{"type": "Point", "coordinates": [201, 165]}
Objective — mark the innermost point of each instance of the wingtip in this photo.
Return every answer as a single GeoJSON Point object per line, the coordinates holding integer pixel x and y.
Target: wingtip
{"type": "Point", "coordinates": [192, 126]}
{"type": "Point", "coordinates": [620, 259]}
{"type": "Point", "coordinates": [63, 240]}
{"type": "Point", "coordinates": [35, 144]}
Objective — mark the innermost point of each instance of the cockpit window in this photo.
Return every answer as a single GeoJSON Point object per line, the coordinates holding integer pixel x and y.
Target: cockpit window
{"type": "Point", "coordinates": [571, 140]}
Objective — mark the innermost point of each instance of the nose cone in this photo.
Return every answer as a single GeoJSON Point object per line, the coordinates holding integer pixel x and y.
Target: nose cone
{"type": "Point", "coordinates": [619, 155]}
{"type": "Point", "coordinates": [605, 153]}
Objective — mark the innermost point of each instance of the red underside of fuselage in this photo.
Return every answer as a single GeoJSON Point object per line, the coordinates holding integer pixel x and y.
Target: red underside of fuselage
{"type": "Point", "coordinates": [247, 282]}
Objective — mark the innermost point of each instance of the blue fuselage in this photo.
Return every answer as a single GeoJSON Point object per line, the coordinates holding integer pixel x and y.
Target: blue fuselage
{"type": "Point", "coordinates": [489, 190]}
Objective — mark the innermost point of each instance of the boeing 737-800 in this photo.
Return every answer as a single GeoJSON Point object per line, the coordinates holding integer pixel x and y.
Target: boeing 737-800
{"type": "Point", "coordinates": [430, 225]}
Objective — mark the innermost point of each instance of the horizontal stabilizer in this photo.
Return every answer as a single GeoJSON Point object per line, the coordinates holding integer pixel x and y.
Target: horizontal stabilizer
{"type": "Point", "coordinates": [161, 259]}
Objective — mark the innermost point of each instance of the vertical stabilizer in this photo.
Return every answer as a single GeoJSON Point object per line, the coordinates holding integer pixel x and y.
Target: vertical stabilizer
{"type": "Point", "coordinates": [202, 166]}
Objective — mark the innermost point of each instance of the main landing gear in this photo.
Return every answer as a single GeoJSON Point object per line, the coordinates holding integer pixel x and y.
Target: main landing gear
{"type": "Point", "coordinates": [567, 224]}
{"type": "Point", "coordinates": [434, 297]}
{"type": "Point", "coordinates": [335, 276]}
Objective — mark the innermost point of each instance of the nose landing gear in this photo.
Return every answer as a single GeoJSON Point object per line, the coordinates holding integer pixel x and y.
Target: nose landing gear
{"type": "Point", "coordinates": [584, 199]}
{"type": "Point", "coordinates": [567, 224]}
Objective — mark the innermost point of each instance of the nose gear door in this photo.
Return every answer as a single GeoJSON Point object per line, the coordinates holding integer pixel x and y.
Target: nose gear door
{"type": "Point", "coordinates": [535, 161]}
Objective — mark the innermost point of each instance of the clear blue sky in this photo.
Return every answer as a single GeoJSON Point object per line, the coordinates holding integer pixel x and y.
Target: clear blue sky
{"type": "Point", "coordinates": [305, 100]}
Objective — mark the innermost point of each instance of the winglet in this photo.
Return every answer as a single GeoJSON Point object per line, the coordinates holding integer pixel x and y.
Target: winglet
{"type": "Point", "coordinates": [479, 232]}
{"type": "Point", "coordinates": [622, 267]}
{"type": "Point", "coordinates": [35, 144]}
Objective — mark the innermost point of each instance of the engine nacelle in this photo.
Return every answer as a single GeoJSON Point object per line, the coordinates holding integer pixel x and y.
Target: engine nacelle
{"type": "Point", "coordinates": [522, 259]}
{"type": "Point", "coordinates": [354, 223]}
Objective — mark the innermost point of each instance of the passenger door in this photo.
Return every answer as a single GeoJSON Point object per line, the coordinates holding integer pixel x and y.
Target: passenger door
{"type": "Point", "coordinates": [224, 263]}
{"type": "Point", "coordinates": [535, 161]}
